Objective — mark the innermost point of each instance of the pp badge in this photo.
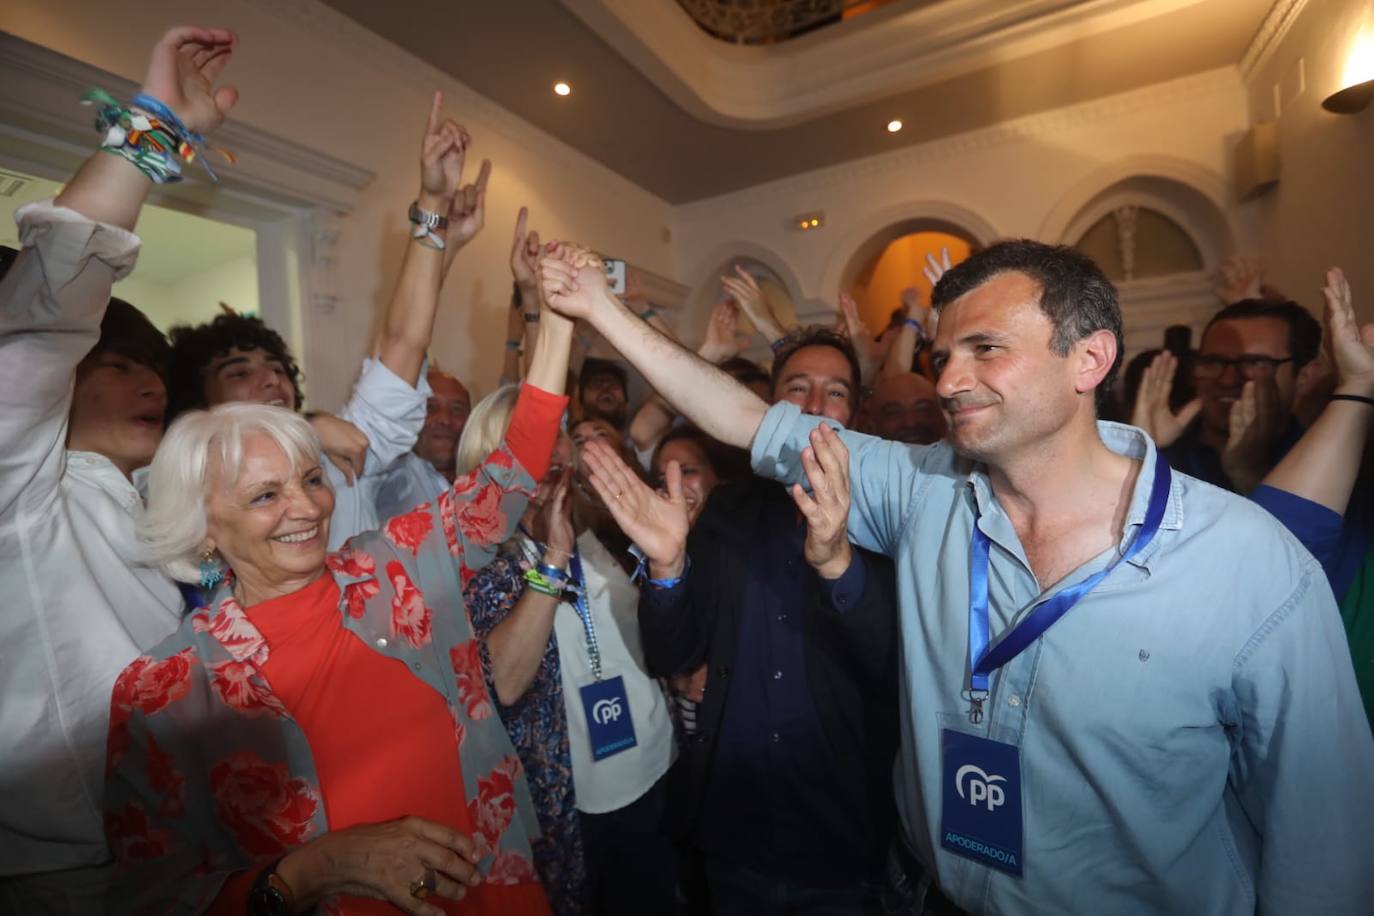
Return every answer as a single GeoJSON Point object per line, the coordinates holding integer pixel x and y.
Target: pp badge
{"type": "Point", "coordinates": [608, 717]}
{"type": "Point", "coordinates": [981, 814]}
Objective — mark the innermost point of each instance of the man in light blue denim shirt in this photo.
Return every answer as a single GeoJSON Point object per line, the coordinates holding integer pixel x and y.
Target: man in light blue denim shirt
{"type": "Point", "coordinates": [1187, 737]}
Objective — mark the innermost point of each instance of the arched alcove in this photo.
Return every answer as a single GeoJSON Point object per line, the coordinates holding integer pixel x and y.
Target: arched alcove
{"type": "Point", "coordinates": [890, 244]}
{"type": "Point", "coordinates": [878, 285]}
{"type": "Point", "coordinates": [779, 284]}
{"type": "Point", "coordinates": [1159, 233]}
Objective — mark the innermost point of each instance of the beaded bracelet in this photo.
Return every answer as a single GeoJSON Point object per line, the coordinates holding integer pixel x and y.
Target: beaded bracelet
{"type": "Point", "coordinates": [552, 573]}
{"type": "Point", "coordinates": [535, 580]}
{"type": "Point", "coordinates": [149, 135]}
{"type": "Point", "coordinates": [676, 580]}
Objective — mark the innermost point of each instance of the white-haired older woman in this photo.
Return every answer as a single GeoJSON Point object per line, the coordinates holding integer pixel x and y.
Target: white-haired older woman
{"type": "Point", "coordinates": [322, 729]}
{"type": "Point", "coordinates": [557, 615]}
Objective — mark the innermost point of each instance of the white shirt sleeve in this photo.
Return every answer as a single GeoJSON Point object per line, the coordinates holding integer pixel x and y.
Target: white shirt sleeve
{"type": "Point", "coordinates": [51, 304]}
{"type": "Point", "coordinates": [388, 411]}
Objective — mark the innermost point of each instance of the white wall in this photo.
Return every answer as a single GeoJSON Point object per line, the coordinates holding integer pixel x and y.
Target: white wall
{"type": "Point", "coordinates": [1321, 213]}
{"type": "Point", "coordinates": [194, 299]}
{"type": "Point", "coordinates": [309, 74]}
{"type": "Point", "coordinates": [1027, 177]}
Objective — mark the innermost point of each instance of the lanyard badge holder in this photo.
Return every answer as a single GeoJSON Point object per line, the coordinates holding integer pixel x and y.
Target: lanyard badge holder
{"type": "Point", "coordinates": [981, 778]}
{"type": "Point", "coordinates": [604, 702]}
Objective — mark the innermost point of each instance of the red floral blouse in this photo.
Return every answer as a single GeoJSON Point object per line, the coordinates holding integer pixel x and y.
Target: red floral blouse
{"type": "Point", "coordinates": [209, 775]}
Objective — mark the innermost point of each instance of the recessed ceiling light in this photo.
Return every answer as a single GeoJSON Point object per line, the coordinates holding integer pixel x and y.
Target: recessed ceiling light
{"type": "Point", "coordinates": [893, 126]}
{"type": "Point", "coordinates": [562, 89]}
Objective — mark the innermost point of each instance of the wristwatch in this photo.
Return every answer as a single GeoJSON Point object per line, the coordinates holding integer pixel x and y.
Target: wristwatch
{"type": "Point", "coordinates": [270, 895]}
{"type": "Point", "coordinates": [426, 218]}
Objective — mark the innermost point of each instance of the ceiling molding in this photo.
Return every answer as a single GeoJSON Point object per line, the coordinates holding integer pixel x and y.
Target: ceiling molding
{"type": "Point", "coordinates": [862, 60]}
{"type": "Point", "coordinates": [1159, 95]}
{"type": "Point", "coordinates": [369, 49]}
{"type": "Point", "coordinates": [1269, 35]}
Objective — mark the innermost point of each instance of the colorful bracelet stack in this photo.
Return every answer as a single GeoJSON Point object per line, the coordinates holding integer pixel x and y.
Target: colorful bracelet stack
{"type": "Point", "coordinates": [148, 134]}
{"type": "Point", "coordinates": [543, 584]}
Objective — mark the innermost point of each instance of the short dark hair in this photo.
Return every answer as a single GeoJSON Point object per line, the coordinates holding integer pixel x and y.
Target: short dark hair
{"type": "Point", "coordinates": [1075, 294]}
{"type": "Point", "coordinates": [1304, 331]}
{"type": "Point", "coordinates": [7, 257]}
{"type": "Point", "coordinates": [593, 366]}
{"type": "Point", "coordinates": [818, 335]}
{"type": "Point", "coordinates": [729, 462]}
{"type": "Point", "coordinates": [123, 329]}
{"type": "Point", "coordinates": [194, 347]}
{"type": "Point", "coordinates": [745, 370]}
{"type": "Point", "coordinates": [127, 331]}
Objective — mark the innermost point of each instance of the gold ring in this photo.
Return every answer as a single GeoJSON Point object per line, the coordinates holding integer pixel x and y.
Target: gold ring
{"type": "Point", "coordinates": [427, 884]}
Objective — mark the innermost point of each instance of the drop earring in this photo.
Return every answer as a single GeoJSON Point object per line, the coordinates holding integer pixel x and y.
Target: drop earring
{"type": "Point", "coordinates": [210, 572]}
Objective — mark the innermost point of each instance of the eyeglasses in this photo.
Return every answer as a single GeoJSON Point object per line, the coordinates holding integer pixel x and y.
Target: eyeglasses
{"type": "Point", "coordinates": [1250, 367]}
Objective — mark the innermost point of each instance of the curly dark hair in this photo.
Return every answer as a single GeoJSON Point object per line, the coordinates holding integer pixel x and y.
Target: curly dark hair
{"type": "Point", "coordinates": [195, 347]}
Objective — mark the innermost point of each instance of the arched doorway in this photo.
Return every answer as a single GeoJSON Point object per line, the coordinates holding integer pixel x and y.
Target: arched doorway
{"type": "Point", "coordinates": [877, 286]}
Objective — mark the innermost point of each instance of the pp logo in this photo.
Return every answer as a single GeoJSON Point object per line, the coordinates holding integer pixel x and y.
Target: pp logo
{"type": "Point", "coordinates": [604, 711]}
{"type": "Point", "coordinates": [982, 788]}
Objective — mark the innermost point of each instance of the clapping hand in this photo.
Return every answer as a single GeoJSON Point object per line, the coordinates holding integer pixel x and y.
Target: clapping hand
{"type": "Point", "coordinates": [1256, 420]}
{"type": "Point", "coordinates": [182, 70]}
{"type": "Point", "coordinates": [656, 521]}
{"type": "Point", "coordinates": [869, 351]}
{"type": "Point", "coordinates": [1151, 411]}
{"type": "Point", "coordinates": [1351, 347]}
{"type": "Point", "coordinates": [745, 290]}
{"type": "Point", "coordinates": [1239, 278]}
{"type": "Point", "coordinates": [721, 341]}
{"type": "Point", "coordinates": [826, 507]}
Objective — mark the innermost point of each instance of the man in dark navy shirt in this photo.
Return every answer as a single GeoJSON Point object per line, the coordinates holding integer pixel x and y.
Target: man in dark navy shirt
{"type": "Point", "coordinates": [788, 777]}
{"type": "Point", "coordinates": [1272, 343]}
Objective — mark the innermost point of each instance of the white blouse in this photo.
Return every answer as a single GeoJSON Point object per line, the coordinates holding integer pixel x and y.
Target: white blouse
{"type": "Point", "coordinates": [617, 780]}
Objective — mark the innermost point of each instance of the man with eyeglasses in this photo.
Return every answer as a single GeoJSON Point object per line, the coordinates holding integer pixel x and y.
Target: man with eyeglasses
{"type": "Point", "coordinates": [1271, 343]}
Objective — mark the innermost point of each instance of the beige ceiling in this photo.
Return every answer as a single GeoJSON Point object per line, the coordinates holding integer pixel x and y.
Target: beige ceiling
{"type": "Point", "coordinates": [513, 51]}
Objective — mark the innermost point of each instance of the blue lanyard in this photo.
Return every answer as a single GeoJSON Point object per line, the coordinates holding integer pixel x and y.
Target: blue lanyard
{"type": "Point", "coordinates": [982, 660]}
{"type": "Point", "coordinates": [584, 611]}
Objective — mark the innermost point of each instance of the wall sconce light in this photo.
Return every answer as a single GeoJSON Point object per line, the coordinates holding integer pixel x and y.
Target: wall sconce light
{"type": "Point", "coordinates": [1358, 79]}
{"type": "Point", "coordinates": [808, 221]}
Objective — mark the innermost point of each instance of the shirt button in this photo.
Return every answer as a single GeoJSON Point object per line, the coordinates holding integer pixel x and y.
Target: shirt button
{"type": "Point", "coordinates": [1013, 700]}
{"type": "Point", "coordinates": [775, 737]}
{"type": "Point", "coordinates": [782, 618]}
{"type": "Point", "coordinates": [777, 675]}
{"type": "Point", "coordinates": [381, 642]}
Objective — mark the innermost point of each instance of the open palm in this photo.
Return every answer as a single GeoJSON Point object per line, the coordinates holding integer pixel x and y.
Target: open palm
{"type": "Point", "coordinates": [657, 522]}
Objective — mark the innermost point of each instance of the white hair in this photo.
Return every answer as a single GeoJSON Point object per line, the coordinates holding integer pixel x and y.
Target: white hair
{"type": "Point", "coordinates": [486, 427]}
{"type": "Point", "coordinates": [172, 530]}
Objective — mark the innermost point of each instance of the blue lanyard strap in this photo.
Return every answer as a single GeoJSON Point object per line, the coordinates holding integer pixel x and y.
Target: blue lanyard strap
{"type": "Point", "coordinates": [584, 611]}
{"type": "Point", "coordinates": [982, 660]}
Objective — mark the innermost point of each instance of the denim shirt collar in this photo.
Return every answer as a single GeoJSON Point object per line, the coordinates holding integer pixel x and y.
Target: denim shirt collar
{"type": "Point", "coordinates": [1120, 438]}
